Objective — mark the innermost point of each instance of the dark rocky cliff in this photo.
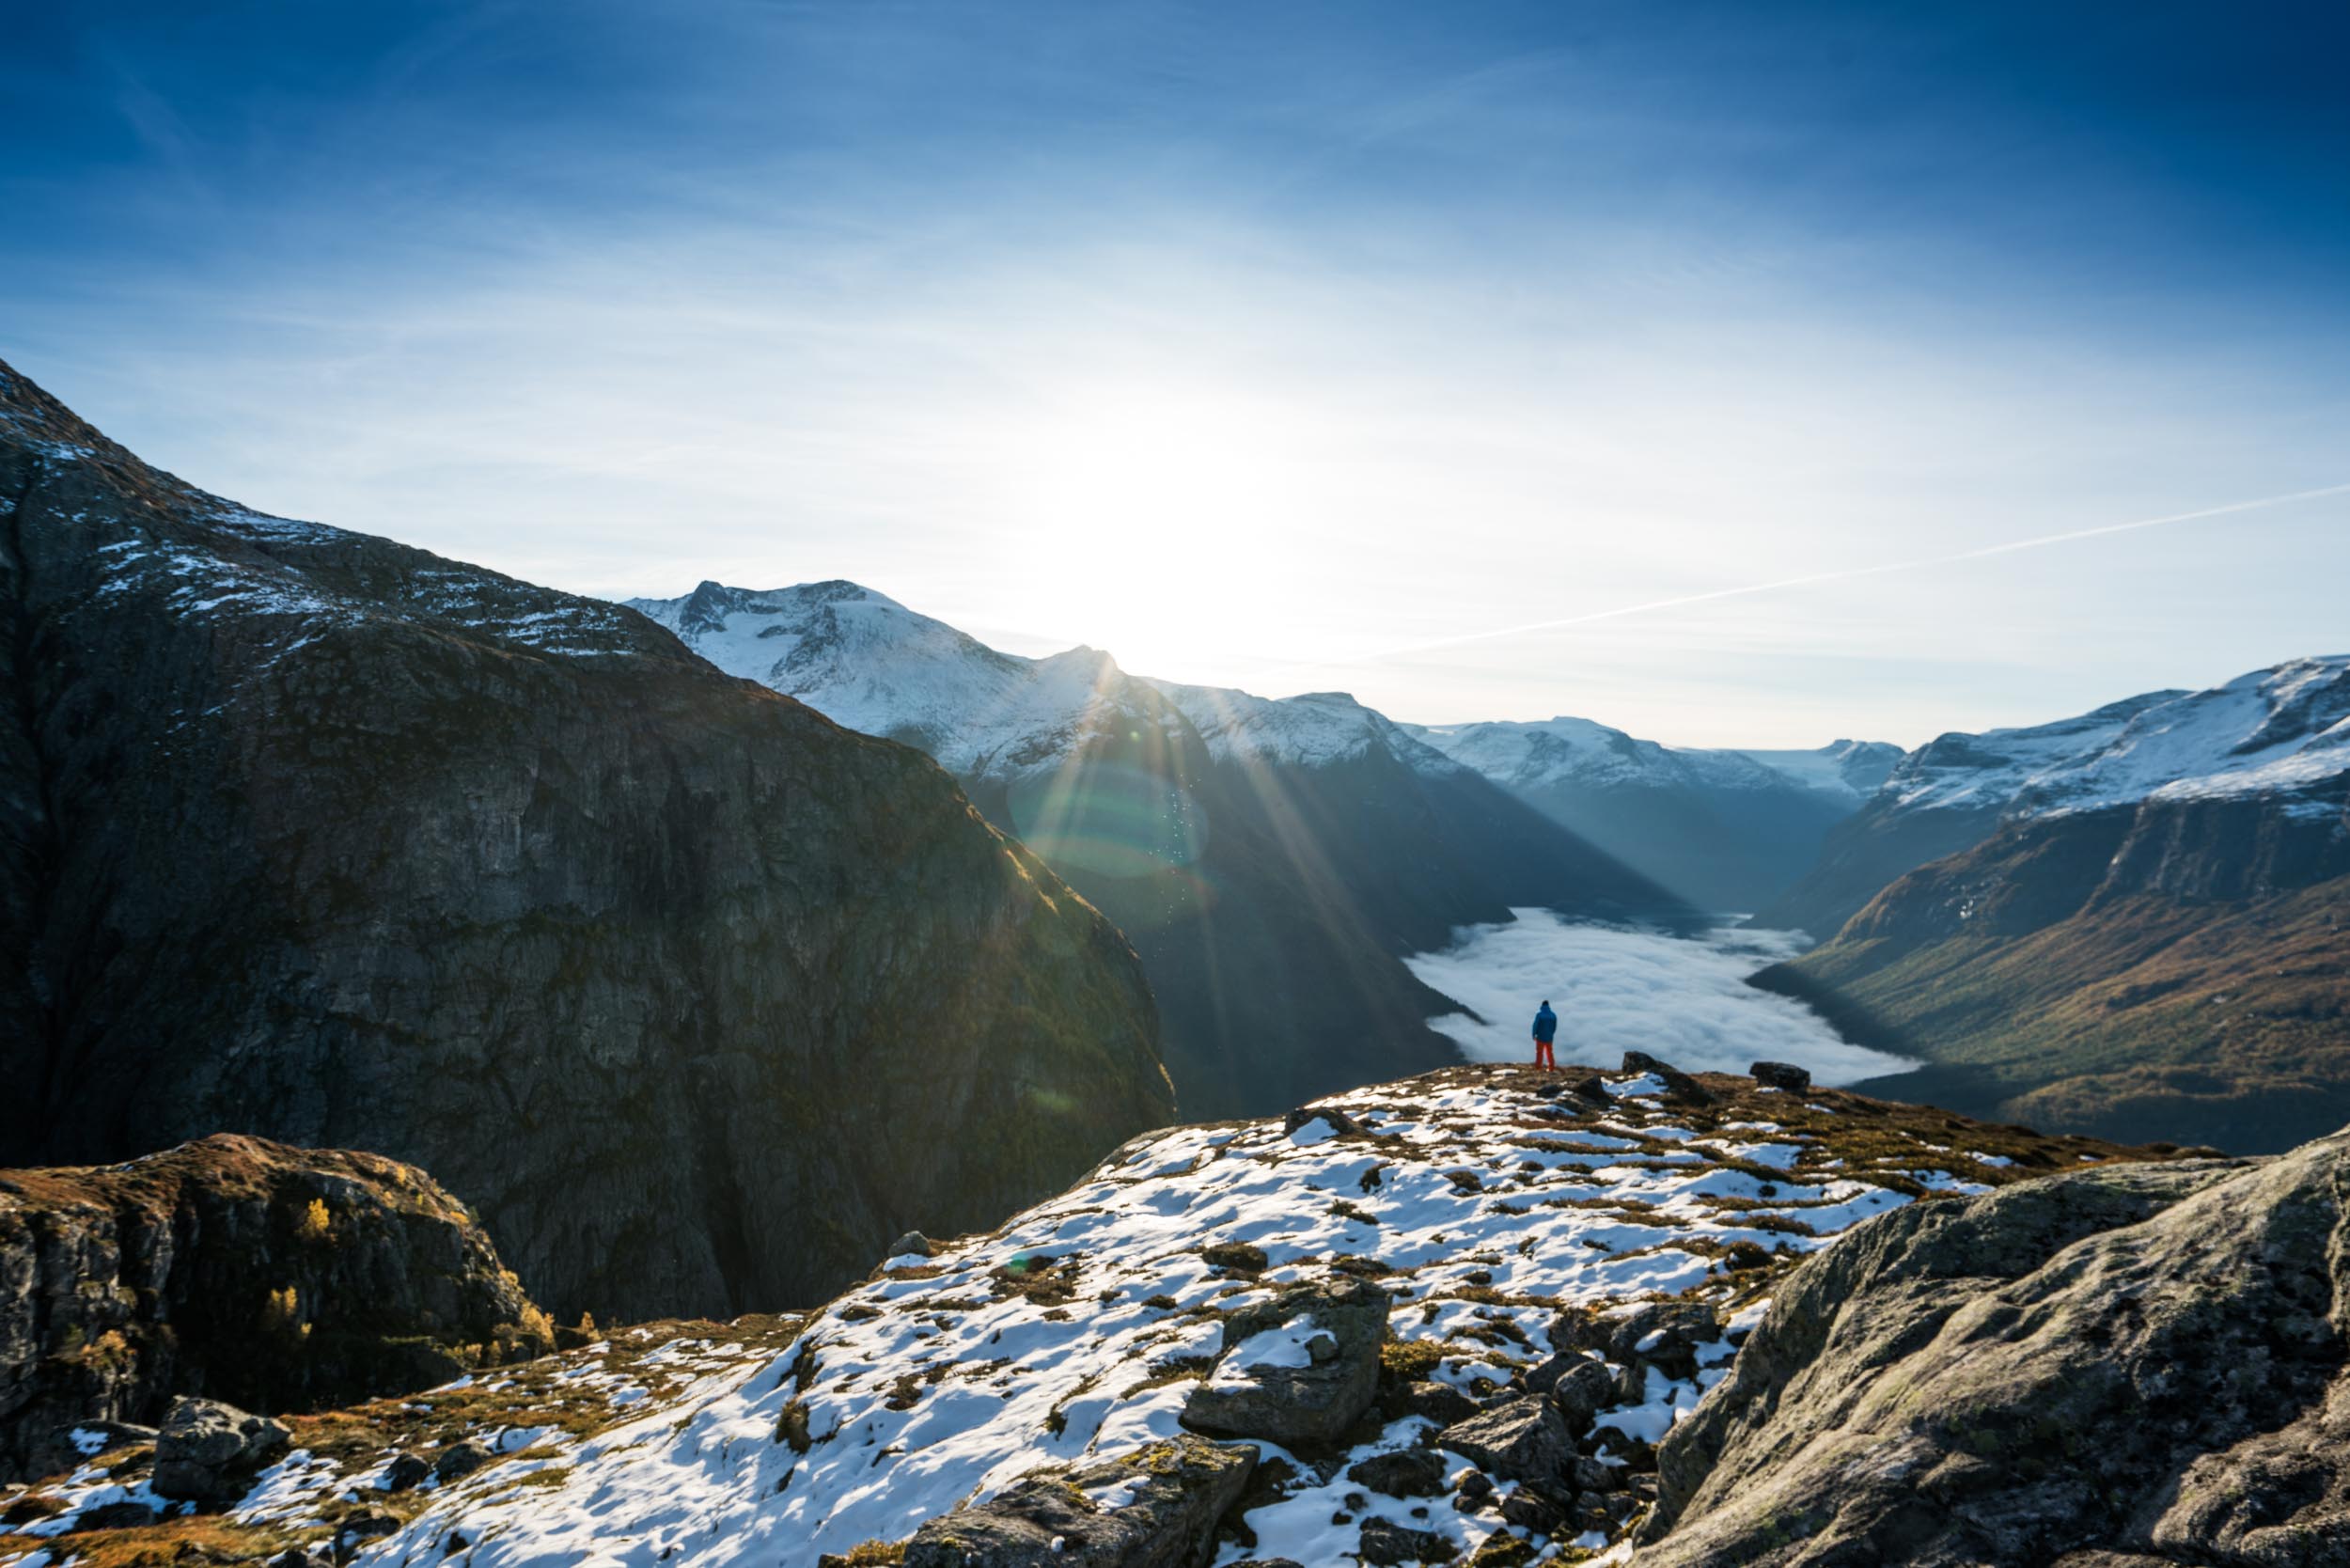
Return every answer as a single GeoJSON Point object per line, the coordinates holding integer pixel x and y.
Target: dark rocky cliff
{"type": "Point", "coordinates": [696, 997]}
{"type": "Point", "coordinates": [238, 1269]}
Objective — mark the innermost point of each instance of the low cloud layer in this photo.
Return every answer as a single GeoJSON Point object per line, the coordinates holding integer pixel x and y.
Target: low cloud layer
{"type": "Point", "coordinates": [1682, 999]}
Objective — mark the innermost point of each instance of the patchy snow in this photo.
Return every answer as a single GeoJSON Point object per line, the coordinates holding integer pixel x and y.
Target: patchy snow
{"type": "Point", "coordinates": [1316, 730]}
{"type": "Point", "coordinates": [1078, 1329]}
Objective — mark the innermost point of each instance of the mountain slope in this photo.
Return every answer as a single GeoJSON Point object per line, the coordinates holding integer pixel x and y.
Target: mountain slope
{"type": "Point", "coordinates": [2152, 940]}
{"type": "Point", "coordinates": [315, 836]}
{"type": "Point", "coordinates": [1272, 861]}
{"type": "Point", "coordinates": [1725, 830]}
{"type": "Point", "coordinates": [1516, 1233]}
{"type": "Point", "coordinates": [1948, 795]}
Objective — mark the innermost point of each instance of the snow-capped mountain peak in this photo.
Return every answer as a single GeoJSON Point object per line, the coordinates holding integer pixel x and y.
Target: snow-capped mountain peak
{"type": "Point", "coordinates": [2284, 728]}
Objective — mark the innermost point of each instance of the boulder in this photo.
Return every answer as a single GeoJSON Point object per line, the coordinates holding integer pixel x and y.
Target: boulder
{"type": "Point", "coordinates": [206, 1451]}
{"type": "Point", "coordinates": [1300, 1368]}
{"type": "Point", "coordinates": [913, 1245]}
{"type": "Point", "coordinates": [1173, 1495]}
{"type": "Point", "coordinates": [1666, 1335]}
{"type": "Point", "coordinates": [1408, 1473]}
{"type": "Point", "coordinates": [2133, 1363]}
{"type": "Point", "coordinates": [1781, 1074]}
{"type": "Point", "coordinates": [1385, 1542]}
{"type": "Point", "coordinates": [405, 1472]}
{"type": "Point", "coordinates": [1524, 1439]}
{"type": "Point", "coordinates": [459, 1459]}
{"type": "Point", "coordinates": [1581, 1392]}
{"type": "Point", "coordinates": [1679, 1085]}
{"type": "Point", "coordinates": [1304, 1116]}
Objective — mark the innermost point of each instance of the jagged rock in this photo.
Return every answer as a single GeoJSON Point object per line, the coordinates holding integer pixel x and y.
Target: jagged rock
{"type": "Point", "coordinates": [1581, 1392]}
{"type": "Point", "coordinates": [405, 1473]}
{"type": "Point", "coordinates": [1589, 1088]}
{"type": "Point", "coordinates": [206, 1450]}
{"type": "Point", "coordinates": [1524, 1439]}
{"type": "Point", "coordinates": [1307, 1392]}
{"type": "Point", "coordinates": [1176, 1492]}
{"type": "Point", "coordinates": [2129, 1362]}
{"type": "Point", "coordinates": [1385, 1542]}
{"type": "Point", "coordinates": [1305, 1116]}
{"type": "Point", "coordinates": [1406, 1473]}
{"type": "Point", "coordinates": [1531, 1511]}
{"type": "Point", "coordinates": [459, 1459]}
{"type": "Point", "coordinates": [912, 1245]}
{"type": "Point", "coordinates": [1666, 1335]}
{"type": "Point", "coordinates": [319, 851]}
{"type": "Point", "coordinates": [1679, 1085]}
{"type": "Point", "coordinates": [233, 1268]}
{"type": "Point", "coordinates": [1780, 1074]}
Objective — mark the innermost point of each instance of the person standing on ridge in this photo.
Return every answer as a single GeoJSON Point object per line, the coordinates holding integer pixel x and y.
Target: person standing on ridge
{"type": "Point", "coordinates": [1545, 1030]}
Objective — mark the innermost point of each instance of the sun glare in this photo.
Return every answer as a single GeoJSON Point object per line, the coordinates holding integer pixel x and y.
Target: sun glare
{"type": "Point", "coordinates": [1188, 514]}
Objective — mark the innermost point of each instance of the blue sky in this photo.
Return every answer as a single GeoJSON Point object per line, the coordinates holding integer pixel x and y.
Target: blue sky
{"type": "Point", "coordinates": [1289, 346]}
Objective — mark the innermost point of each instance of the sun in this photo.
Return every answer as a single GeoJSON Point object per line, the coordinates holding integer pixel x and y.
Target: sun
{"type": "Point", "coordinates": [1177, 520]}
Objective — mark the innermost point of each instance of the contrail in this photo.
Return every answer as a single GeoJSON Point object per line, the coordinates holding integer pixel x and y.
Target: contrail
{"type": "Point", "coordinates": [1846, 573]}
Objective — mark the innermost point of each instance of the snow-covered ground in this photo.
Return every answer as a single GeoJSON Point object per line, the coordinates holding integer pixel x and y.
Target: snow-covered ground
{"type": "Point", "coordinates": [1618, 989]}
{"type": "Point", "coordinates": [1079, 1328]}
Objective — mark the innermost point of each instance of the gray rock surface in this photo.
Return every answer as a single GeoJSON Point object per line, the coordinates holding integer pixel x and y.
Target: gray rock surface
{"type": "Point", "coordinates": [1177, 1492]}
{"type": "Point", "coordinates": [206, 1451]}
{"type": "Point", "coordinates": [2138, 1365]}
{"type": "Point", "coordinates": [1780, 1074]}
{"type": "Point", "coordinates": [275, 1278]}
{"type": "Point", "coordinates": [1311, 1403]}
{"type": "Point", "coordinates": [319, 837]}
{"type": "Point", "coordinates": [1524, 1439]}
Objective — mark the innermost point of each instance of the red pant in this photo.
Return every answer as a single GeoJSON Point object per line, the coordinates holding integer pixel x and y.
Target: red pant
{"type": "Point", "coordinates": [1541, 1054]}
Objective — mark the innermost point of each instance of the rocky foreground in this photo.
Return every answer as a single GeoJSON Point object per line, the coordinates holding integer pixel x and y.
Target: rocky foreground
{"type": "Point", "coordinates": [1485, 1315]}
{"type": "Point", "coordinates": [236, 1268]}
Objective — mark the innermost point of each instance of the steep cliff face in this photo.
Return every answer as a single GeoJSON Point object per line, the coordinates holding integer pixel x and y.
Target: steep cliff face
{"type": "Point", "coordinates": [238, 1269]}
{"type": "Point", "coordinates": [2141, 1366]}
{"type": "Point", "coordinates": [696, 997]}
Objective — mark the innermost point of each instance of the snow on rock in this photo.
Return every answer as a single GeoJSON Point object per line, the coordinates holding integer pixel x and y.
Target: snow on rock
{"type": "Point", "coordinates": [1315, 729]}
{"type": "Point", "coordinates": [1490, 1208]}
{"type": "Point", "coordinates": [2272, 731]}
{"type": "Point", "coordinates": [863, 660]}
{"type": "Point", "coordinates": [1547, 753]}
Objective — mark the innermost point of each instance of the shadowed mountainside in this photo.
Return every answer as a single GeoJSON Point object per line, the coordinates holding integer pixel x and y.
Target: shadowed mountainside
{"type": "Point", "coordinates": [315, 836]}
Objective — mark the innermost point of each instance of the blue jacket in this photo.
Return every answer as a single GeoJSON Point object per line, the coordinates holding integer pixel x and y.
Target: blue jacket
{"type": "Point", "coordinates": [1546, 1024]}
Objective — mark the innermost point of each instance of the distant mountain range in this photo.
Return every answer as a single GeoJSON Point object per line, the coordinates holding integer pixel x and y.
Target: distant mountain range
{"type": "Point", "coordinates": [1272, 861]}
{"type": "Point", "coordinates": [699, 998]}
{"type": "Point", "coordinates": [1726, 830]}
{"type": "Point", "coordinates": [2134, 922]}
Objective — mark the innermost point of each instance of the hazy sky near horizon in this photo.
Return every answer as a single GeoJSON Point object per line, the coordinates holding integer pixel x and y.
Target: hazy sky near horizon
{"type": "Point", "coordinates": [1292, 347]}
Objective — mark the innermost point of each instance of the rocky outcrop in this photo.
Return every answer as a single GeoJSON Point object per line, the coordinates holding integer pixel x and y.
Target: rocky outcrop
{"type": "Point", "coordinates": [207, 1451]}
{"type": "Point", "coordinates": [696, 997]}
{"type": "Point", "coordinates": [278, 1278]}
{"type": "Point", "coordinates": [2143, 1365]}
{"type": "Point", "coordinates": [1157, 1508]}
{"type": "Point", "coordinates": [1301, 1368]}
